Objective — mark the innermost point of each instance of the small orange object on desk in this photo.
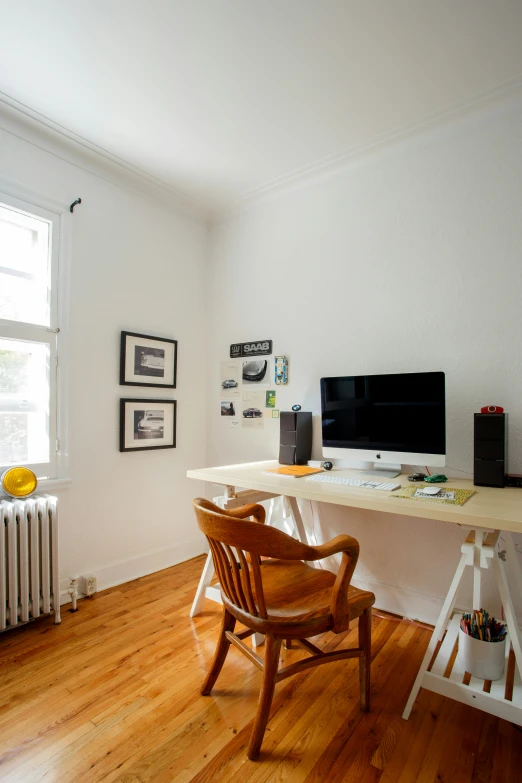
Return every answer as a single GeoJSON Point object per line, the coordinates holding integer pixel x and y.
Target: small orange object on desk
{"type": "Point", "coordinates": [297, 471]}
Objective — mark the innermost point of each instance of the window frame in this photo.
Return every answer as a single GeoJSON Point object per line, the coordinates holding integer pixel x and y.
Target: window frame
{"type": "Point", "coordinates": [55, 335]}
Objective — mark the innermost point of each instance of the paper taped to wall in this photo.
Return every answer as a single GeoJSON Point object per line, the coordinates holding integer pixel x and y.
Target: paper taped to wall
{"type": "Point", "coordinates": [230, 380]}
{"type": "Point", "coordinates": [256, 372]}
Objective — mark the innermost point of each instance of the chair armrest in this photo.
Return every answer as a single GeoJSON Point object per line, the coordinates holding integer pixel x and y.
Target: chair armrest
{"type": "Point", "coordinates": [339, 604]}
{"type": "Point", "coordinates": [338, 544]}
{"type": "Point", "coordinates": [251, 510]}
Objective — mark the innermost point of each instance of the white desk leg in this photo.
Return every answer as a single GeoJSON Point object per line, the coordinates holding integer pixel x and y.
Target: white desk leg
{"type": "Point", "coordinates": [507, 603]}
{"type": "Point", "coordinates": [208, 569]}
{"type": "Point", "coordinates": [270, 512]}
{"type": "Point", "coordinates": [438, 632]}
{"type": "Point", "coordinates": [514, 560]}
{"type": "Point", "coordinates": [298, 520]}
{"type": "Point", "coordinates": [206, 578]}
{"type": "Point", "coordinates": [477, 570]}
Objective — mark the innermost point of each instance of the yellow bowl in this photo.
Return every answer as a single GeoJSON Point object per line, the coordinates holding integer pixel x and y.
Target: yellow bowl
{"type": "Point", "coordinates": [19, 482]}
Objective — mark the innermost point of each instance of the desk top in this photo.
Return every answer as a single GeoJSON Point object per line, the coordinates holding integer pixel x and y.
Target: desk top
{"type": "Point", "coordinates": [491, 508]}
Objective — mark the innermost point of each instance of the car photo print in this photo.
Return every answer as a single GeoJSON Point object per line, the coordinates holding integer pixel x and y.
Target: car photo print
{"type": "Point", "coordinates": [152, 424]}
{"type": "Point", "coordinates": [254, 371]}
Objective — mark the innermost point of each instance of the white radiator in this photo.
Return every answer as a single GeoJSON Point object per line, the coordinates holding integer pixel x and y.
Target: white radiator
{"type": "Point", "coordinates": [29, 568]}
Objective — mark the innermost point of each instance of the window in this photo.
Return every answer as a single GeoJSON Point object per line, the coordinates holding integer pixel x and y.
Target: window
{"type": "Point", "coordinates": [28, 336]}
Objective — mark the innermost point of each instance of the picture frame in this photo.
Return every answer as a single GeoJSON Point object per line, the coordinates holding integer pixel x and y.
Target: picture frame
{"type": "Point", "coordinates": [146, 360]}
{"type": "Point", "coordinates": [147, 424]}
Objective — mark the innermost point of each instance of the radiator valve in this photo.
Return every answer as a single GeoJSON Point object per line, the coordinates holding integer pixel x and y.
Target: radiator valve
{"type": "Point", "coordinates": [73, 592]}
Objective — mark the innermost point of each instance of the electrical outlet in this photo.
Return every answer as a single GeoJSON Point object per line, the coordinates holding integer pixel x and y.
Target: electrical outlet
{"type": "Point", "coordinates": [90, 585]}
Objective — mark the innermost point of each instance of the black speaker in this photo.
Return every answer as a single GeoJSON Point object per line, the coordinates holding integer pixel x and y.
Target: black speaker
{"type": "Point", "coordinates": [295, 442]}
{"type": "Point", "coordinates": [490, 452]}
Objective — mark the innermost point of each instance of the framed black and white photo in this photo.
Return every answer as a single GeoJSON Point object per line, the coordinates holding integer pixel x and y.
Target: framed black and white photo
{"type": "Point", "coordinates": [148, 361]}
{"type": "Point", "coordinates": [147, 424]}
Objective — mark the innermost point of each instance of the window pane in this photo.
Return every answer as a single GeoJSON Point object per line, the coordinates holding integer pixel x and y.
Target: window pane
{"type": "Point", "coordinates": [24, 267]}
{"type": "Point", "coordinates": [24, 402]}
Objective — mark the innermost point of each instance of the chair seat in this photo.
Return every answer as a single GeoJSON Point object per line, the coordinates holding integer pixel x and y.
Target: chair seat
{"type": "Point", "coordinates": [296, 593]}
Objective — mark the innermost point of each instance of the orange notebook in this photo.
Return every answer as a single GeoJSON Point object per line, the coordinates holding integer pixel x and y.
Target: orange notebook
{"type": "Point", "coordinates": [297, 471]}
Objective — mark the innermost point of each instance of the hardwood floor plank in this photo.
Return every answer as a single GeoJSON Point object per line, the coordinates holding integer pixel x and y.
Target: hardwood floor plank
{"type": "Point", "coordinates": [355, 745]}
{"type": "Point", "coordinates": [294, 751]}
{"type": "Point", "coordinates": [436, 745]}
{"type": "Point", "coordinates": [415, 758]}
{"type": "Point", "coordinates": [229, 763]}
{"type": "Point", "coordinates": [453, 738]}
{"type": "Point", "coordinates": [387, 743]}
{"type": "Point", "coordinates": [482, 768]}
{"type": "Point", "coordinates": [507, 764]}
{"type": "Point", "coordinates": [20, 769]}
{"type": "Point", "coordinates": [186, 762]}
{"type": "Point", "coordinates": [162, 722]}
{"type": "Point", "coordinates": [112, 694]}
{"type": "Point", "coordinates": [409, 739]}
{"type": "Point", "coordinates": [397, 681]}
{"type": "Point", "coordinates": [325, 693]}
{"type": "Point", "coordinates": [299, 721]}
{"type": "Point", "coordinates": [463, 771]}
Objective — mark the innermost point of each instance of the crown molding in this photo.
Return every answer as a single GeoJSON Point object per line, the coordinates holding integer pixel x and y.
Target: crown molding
{"type": "Point", "coordinates": [33, 127]}
{"type": "Point", "coordinates": [331, 164]}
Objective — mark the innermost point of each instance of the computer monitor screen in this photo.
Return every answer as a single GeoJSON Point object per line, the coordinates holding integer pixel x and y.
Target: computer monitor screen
{"type": "Point", "coordinates": [396, 416]}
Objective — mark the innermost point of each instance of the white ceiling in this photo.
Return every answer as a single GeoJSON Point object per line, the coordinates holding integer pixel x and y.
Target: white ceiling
{"type": "Point", "coordinates": [219, 98]}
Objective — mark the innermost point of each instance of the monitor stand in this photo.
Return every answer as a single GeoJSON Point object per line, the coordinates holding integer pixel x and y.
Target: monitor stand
{"type": "Point", "coordinates": [386, 470]}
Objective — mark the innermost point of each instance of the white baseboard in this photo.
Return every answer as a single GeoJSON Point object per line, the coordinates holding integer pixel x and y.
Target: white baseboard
{"type": "Point", "coordinates": [143, 565]}
{"type": "Point", "coordinates": [390, 598]}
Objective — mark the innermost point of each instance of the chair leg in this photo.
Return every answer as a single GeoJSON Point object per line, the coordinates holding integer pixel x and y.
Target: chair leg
{"type": "Point", "coordinates": [228, 623]}
{"type": "Point", "coordinates": [272, 650]}
{"type": "Point", "coordinates": [288, 644]}
{"type": "Point", "coordinates": [365, 641]}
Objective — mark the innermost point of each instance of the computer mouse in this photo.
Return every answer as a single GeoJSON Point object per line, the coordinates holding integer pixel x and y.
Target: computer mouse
{"type": "Point", "coordinates": [430, 490]}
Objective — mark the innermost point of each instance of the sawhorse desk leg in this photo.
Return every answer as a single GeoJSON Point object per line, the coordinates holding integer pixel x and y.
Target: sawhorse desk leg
{"type": "Point", "coordinates": [479, 549]}
{"type": "Point", "coordinates": [438, 632]}
{"type": "Point", "coordinates": [298, 520]}
{"type": "Point", "coordinates": [204, 584]}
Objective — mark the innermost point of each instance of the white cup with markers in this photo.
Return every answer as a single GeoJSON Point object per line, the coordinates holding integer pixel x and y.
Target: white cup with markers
{"type": "Point", "coordinates": [482, 645]}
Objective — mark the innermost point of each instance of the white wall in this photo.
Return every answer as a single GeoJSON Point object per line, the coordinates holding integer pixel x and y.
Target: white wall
{"type": "Point", "coordinates": [137, 266]}
{"type": "Point", "coordinates": [407, 260]}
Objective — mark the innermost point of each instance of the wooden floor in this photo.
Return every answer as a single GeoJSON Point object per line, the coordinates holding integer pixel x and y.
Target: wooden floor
{"type": "Point", "coordinates": [113, 694]}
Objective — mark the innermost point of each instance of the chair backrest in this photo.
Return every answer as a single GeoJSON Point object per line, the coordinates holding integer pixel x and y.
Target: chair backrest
{"type": "Point", "coordinates": [237, 546]}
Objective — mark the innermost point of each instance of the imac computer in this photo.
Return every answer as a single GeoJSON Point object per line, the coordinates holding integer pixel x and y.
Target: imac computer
{"type": "Point", "coordinates": [388, 420]}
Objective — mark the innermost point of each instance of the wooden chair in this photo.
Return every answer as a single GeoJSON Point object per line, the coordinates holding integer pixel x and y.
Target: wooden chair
{"type": "Point", "coordinates": [281, 597]}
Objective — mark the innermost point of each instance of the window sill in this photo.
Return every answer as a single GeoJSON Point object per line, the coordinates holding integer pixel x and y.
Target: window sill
{"type": "Point", "coordinates": [47, 486]}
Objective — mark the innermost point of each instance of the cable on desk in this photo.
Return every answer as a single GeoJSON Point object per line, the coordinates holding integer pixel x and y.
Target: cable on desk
{"type": "Point", "coordinates": [467, 472]}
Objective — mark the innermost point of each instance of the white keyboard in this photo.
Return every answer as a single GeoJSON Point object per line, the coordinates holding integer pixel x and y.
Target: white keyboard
{"type": "Point", "coordinates": [349, 482]}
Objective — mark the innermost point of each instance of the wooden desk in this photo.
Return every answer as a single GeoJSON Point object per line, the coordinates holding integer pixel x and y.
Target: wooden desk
{"type": "Point", "coordinates": [490, 508]}
{"type": "Point", "coordinates": [486, 514]}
